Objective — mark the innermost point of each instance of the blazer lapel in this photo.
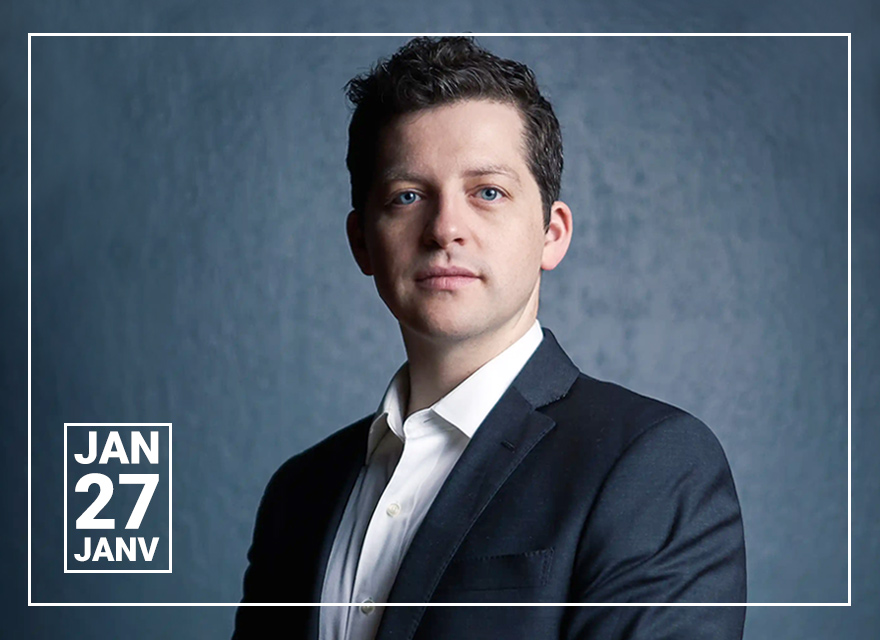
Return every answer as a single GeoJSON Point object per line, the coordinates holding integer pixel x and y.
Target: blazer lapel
{"type": "Point", "coordinates": [504, 439]}
{"type": "Point", "coordinates": [352, 453]}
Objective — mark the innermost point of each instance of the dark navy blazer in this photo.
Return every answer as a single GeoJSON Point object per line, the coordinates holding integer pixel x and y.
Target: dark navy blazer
{"type": "Point", "coordinates": [572, 490]}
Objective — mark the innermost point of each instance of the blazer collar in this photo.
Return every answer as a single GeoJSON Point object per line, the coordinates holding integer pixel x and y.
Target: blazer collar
{"type": "Point", "coordinates": [548, 375]}
{"type": "Point", "coordinates": [505, 438]}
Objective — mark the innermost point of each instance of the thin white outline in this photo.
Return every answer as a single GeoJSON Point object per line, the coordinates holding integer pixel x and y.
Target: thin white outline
{"type": "Point", "coordinates": [170, 532]}
{"type": "Point", "coordinates": [848, 36]}
{"type": "Point", "coordinates": [476, 34]}
{"type": "Point", "coordinates": [849, 319]}
{"type": "Point", "coordinates": [29, 323]}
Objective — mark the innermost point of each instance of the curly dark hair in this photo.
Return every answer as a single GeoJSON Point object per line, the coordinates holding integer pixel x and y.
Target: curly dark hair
{"type": "Point", "coordinates": [429, 72]}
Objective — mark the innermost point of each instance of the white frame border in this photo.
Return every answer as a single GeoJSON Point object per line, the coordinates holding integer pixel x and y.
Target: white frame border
{"type": "Point", "coordinates": [848, 603]}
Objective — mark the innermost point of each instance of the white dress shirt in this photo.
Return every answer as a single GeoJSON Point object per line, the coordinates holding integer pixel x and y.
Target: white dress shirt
{"type": "Point", "coordinates": [407, 463]}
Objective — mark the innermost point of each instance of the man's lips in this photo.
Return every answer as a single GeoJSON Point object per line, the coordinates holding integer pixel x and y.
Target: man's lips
{"type": "Point", "coordinates": [445, 278]}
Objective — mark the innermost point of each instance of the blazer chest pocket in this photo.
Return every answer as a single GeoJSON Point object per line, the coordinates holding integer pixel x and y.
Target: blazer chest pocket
{"type": "Point", "coordinates": [510, 571]}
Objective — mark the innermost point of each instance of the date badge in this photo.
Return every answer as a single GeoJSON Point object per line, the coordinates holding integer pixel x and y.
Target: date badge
{"type": "Point", "coordinates": [117, 498]}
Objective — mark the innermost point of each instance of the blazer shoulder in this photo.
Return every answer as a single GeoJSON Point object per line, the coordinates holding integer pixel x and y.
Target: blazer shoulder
{"type": "Point", "coordinates": [325, 454]}
{"type": "Point", "coordinates": [664, 524]}
{"type": "Point", "coordinates": [608, 413]}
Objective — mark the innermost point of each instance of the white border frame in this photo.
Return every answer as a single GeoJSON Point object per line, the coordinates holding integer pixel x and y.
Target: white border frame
{"type": "Point", "coordinates": [848, 36]}
{"type": "Point", "coordinates": [170, 528]}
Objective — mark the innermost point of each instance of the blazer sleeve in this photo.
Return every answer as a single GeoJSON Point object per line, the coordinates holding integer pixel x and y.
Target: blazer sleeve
{"type": "Point", "coordinates": [269, 575]}
{"type": "Point", "coordinates": [665, 527]}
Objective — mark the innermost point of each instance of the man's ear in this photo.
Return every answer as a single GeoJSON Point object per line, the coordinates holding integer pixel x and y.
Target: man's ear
{"type": "Point", "coordinates": [557, 236]}
{"type": "Point", "coordinates": [354, 228]}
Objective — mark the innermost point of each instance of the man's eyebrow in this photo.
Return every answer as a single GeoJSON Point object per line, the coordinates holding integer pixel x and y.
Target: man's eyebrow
{"type": "Point", "coordinates": [398, 175]}
{"type": "Point", "coordinates": [490, 169]}
{"type": "Point", "coordinates": [401, 175]}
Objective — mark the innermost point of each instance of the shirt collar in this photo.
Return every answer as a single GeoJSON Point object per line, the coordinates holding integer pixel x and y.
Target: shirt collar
{"type": "Point", "coordinates": [468, 404]}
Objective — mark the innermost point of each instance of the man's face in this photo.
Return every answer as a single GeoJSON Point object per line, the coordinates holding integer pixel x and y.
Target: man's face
{"type": "Point", "coordinates": [454, 229]}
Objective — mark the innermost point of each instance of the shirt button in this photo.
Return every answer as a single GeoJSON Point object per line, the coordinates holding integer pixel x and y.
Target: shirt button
{"type": "Point", "coordinates": [367, 607]}
{"type": "Point", "coordinates": [393, 509]}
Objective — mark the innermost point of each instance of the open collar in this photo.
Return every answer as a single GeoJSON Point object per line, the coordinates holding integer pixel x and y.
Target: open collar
{"type": "Point", "coordinates": [466, 406]}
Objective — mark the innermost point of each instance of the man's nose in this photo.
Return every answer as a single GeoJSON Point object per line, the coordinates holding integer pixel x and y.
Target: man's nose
{"type": "Point", "coordinates": [447, 223]}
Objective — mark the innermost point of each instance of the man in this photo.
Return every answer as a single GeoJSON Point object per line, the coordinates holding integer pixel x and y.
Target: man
{"type": "Point", "coordinates": [493, 471]}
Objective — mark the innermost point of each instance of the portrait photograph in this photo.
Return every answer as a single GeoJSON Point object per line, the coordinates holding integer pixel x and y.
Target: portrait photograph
{"type": "Point", "coordinates": [404, 321]}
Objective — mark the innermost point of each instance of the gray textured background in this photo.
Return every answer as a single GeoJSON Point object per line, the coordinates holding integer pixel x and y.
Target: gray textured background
{"type": "Point", "coordinates": [189, 264]}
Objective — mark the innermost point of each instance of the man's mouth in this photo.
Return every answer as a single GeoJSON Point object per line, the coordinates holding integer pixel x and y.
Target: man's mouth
{"type": "Point", "coordinates": [445, 278]}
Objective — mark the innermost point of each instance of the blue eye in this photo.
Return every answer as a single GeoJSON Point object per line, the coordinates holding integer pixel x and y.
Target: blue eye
{"type": "Point", "coordinates": [490, 194]}
{"type": "Point", "coordinates": [406, 197]}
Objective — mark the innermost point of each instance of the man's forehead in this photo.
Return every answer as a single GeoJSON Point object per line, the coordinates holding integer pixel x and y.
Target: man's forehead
{"type": "Point", "coordinates": [504, 115]}
{"type": "Point", "coordinates": [476, 137]}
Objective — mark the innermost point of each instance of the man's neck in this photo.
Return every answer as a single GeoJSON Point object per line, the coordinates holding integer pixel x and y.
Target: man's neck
{"type": "Point", "coordinates": [436, 368]}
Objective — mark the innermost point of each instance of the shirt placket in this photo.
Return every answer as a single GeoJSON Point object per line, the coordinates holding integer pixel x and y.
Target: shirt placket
{"type": "Point", "coordinates": [387, 537]}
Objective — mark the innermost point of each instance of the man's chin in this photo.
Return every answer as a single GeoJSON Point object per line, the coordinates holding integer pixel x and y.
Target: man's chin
{"type": "Point", "coordinates": [443, 329]}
